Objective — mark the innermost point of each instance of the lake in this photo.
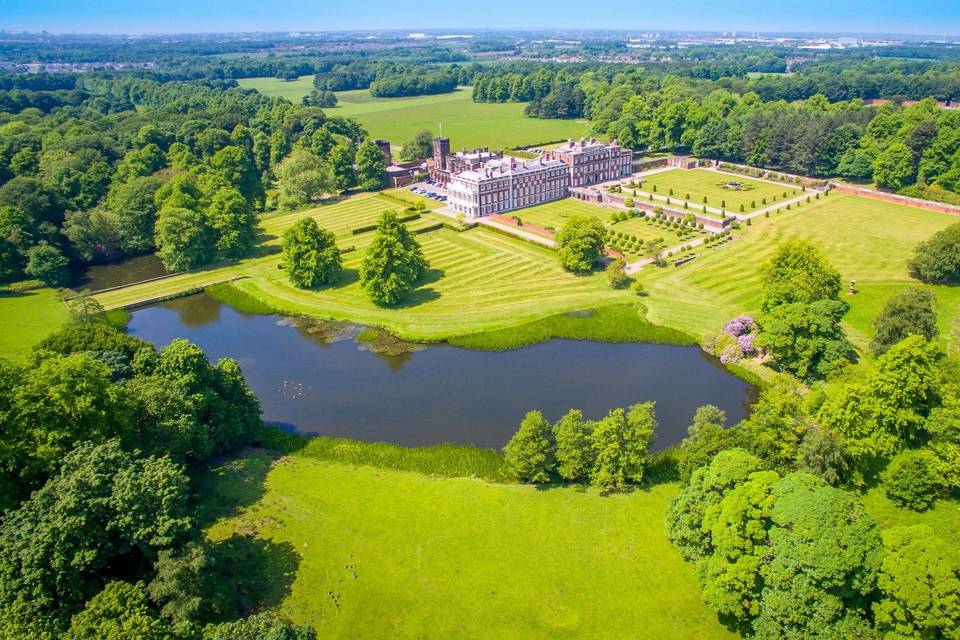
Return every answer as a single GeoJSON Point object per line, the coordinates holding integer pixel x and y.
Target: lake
{"type": "Point", "coordinates": [318, 377]}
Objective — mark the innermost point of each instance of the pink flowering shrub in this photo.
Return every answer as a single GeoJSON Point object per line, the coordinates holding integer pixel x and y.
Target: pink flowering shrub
{"type": "Point", "coordinates": [739, 326]}
{"type": "Point", "coordinates": [734, 342]}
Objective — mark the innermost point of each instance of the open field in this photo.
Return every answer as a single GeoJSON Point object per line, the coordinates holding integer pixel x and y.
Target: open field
{"type": "Point", "coordinates": [867, 240]}
{"type": "Point", "coordinates": [465, 122]}
{"type": "Point", "coordinates": [704, 182]}
{"type": "Point", "coordinates": [378, 553]}
{"type": "Point", "coordinates": [479, 280]}
{"type": "Point", "coordinates": [26, 318]}
{"type": "Point", "coordinates": [555, 214]}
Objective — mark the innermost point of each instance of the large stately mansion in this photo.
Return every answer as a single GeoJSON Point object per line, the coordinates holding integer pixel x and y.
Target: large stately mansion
{"type": "Point", "coordinates": [482, 182]}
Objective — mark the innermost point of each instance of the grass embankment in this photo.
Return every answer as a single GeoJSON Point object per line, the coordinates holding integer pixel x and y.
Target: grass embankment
{"type": "Point", "coordinates": [702, 182]}
{"type": "Point", "coordinates": [867, 240]}
{"type": "Point", "coordinates": [383, 553]}
{"type": "Point", "coordinates": [26, 318]}
{"type": "Point", "coordinates": [478, 280]}
{"type": "Point", "coordinates": [467, 123]}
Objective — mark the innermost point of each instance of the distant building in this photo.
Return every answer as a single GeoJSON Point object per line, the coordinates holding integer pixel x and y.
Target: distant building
{"type": "Point", "coordinates": [445, 164]}
{"type": "Point", "coordinates": [488, 185]}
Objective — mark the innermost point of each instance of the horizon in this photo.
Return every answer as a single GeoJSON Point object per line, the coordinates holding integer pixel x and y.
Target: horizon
{"type": "Point", "coordinates": [930, 18]}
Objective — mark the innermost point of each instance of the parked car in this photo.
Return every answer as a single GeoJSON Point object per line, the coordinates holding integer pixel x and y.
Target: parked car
{"type": "Point", "coordinates": [430, 194]}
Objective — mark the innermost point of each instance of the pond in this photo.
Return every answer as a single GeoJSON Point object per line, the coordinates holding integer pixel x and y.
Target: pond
{"type": "Point", "coordinates": [322, 378]}
{"type": "Point", "coordinates": [114, 274]}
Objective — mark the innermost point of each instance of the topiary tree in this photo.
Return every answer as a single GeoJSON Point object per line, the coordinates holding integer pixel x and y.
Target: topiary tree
{"type": "Point", "coordinates": [310, 255]}
{"type": "Point", "coordinates": [529, 454]}
{"type": "Point", "coordinates": [394, 261]}
{"type": "Point", "coordinates": [580, 243]}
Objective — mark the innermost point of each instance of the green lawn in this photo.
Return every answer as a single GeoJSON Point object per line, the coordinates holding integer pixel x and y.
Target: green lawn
{"type": "Point", "coordinates": [703, 182]}
{"type": "Point", "coordinates": [26, 318]}
{"type": "Point", "coordinates": [479, 280]}
{"type": "Point", "coordinates": [867, 240]}
{"type": "Point", "coordinates": [467, 123]}
{"type": "Point", "coordinates": [376, 553]}
{"type": "Point", "coordinates": [554, 215]}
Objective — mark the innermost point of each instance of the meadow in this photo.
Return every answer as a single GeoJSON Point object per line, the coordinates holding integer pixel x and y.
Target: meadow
{"type": "Point", "coordinates": [698, 183]}
{"type": "Point", "coordinates": [866, 240]}
{"type": "Point", "coordinates": [382, 553]}
{"type": "Point", "coordinates": [468, 124]}
{"type": "Point", "coordinates": [26, 318]}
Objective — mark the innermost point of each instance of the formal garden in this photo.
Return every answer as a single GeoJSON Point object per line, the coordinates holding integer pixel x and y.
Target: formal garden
{"type": "Point", "coordinates": [716, 190]}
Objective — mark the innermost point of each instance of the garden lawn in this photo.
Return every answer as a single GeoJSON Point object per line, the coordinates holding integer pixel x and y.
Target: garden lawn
{"type": "Point", "coordinates": [478, 280]}
{"type": "Point", "coordinates": [867, 240]}
{"type": "Point", "coordinates": [704, 182]}
{"type": "Point", "coordinates": [26, 318]}
{"type": "Point", "coordinates": [394, 554]}
{"type": "Point", "coordinates": [292, 90]}
{"type": "Point", "coordinates": [555, 215]}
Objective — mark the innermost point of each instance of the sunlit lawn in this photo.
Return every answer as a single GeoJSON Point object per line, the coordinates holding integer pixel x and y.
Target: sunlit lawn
{"type": "Point", "coordinates": [697, 183]}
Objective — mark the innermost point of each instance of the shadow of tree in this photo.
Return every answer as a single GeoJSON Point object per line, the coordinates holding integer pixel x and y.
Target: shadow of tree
{"type": "Point", "coordinates": [251, 575]}
{"type": "Point", "coordinates": [225, 485]}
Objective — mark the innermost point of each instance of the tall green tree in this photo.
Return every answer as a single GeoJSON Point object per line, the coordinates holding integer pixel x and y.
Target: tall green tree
{"type": "Point", "coordinates": [938, 259]}
{"type": "Point", "coordinates": [183, 238]}
{"type": "Point", "coordinates": [910, 312]}
{"type": "Point", "coordinates": [232, 223]}
{"type": "Point", "coordinates": [302, 178]}
{"type": "Point", "coordinates": [529, 454]}
{"type": "Point", "coordinates": [580, 243]}
{"type": "Point", "coordinates": [120, 612]}
{"type": "Point", "coordinates": [340, 161]}
{"type": "Point", "coordinates": [574, 451]}
{"type": "Point", "coordinates": [420, 146]}
{"type": "Point", "coordinates": [371, 167]}
{"type": "Point", "coordinates": [621, 444]}
{"type": "Point", "coordinates": [392, 263]}
{"type": "Point", "coordinates": [894, 167]}
{"type": "Point", "coordinates": [46, 263]}
{"type": "Point", "coordinates": [234, 165]}
{"type": "Point", "coordinates": [310, 255]}
{"type": "Point", "coordinates": [798, 272]}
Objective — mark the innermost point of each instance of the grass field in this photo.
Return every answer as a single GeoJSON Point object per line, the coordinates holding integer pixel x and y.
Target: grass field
{"type": "Point", "coordinates": [377, 553]}
{"type": "Point", "coordinates": [465, 122]}
{"type": "Point", "coordinates": [479, 280]}
{"type": "Point", "coordinates": [867, 240]}
{"type": "Point", "coordinates": [26, 318]}
{"type": "Point", "coordinates": [555, 214]}
{"type": "Point", "coordinates": [702, 182]}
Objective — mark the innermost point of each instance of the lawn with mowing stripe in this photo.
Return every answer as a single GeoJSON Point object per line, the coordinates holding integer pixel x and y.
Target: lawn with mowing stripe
{"type": "Point", "coordinates": [478, 280]}
{"type": "Point", "coordinates": [704, 182]}
{"type": "Point", "coordinates": [467, 123]}
{"type": "Point", "coordinates": [867, 240]}
{"type": "Point", "coordinates": [26, 318]}
{"type": "Point", "coordinates": [379, 553]}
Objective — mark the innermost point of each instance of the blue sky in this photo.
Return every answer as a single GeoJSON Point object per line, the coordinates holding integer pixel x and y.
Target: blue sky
{"type": "Point", "coordinates": [937, 17]}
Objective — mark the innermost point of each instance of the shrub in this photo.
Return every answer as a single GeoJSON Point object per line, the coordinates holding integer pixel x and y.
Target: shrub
{"type": "Point", "coordinates": [638, 288]}
{"type": "Point", "coordinates": [911, 479]}
{"type": "Point", "coordinates": [671, 191]}
{"type": "Point", "coordinates": [753, 204]}
{"type": "Point", "coordinates": [704, 200]}
{"type": "Point", "coordinates": [723, 204]}
{"type": "Point", "coordinates": [617, 275]}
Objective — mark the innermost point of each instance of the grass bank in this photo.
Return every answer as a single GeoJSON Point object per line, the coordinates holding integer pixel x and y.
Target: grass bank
{"type": "Point", "coordinates": [26, 318]}
{"type": "Point", "coordinates": [393, 554]}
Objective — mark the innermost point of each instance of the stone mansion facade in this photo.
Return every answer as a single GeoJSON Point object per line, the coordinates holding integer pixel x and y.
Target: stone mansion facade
{"type": "Point", "coordinates": [481, 182]}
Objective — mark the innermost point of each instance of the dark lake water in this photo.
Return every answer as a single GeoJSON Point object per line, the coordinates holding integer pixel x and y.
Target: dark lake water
{"type": "Point", "coordinates": [114, 274]}
{"type": "Point", "coordinates": [316, 378]}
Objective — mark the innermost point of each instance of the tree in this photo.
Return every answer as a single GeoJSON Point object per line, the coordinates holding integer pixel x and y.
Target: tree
{"type": "Point", "coordinates": [617, 274]}
{"type": "Point", "coordinates": [798, 272]}
{"type": "Point", "coordinates": [805, 339]}
{"type": "Point", "coordinates": [262, 626]}
{"type": "Point", "coordinates": [529, 453]}
{"type": "Point", "coordinates": [371, 167]}
{"type": "Point", "coordinates": [938, 259]}
{"type": "Point", "coordinates": [574, 454]}
{"type": "Point", "coordinates": [234, 165]}
{"type": "Point", "coordinates": [621, 444]}
{"type": "Point", "coordinates": [919, 583]}
{"type": "Point", "coordinates": [302, 178]}
{"type": "Point", "coordinates": [310, 255]}
{"type": "Point", "coordinates": [317, 98]}
{"type": "Point", "coordinates": [943, 429]}
{"type": "Point", "coordinates": [392, 263]}
{"type": "Point", "coordinates": [777, 424]}
{"type": "Point", "coordinates": [340, 160]}
{"type": "Point", "coordinates": [580, 243]}
{"type": "Point", "coordinates": [824, 553]}
{"type": "Point", "coordinates": [94, 235]}
{"type": "Point", "coordinates": [183, 238]}
{"type": "Point", "coordinates": [706, 437]}
{"type": "Point", "coordinates": [910, 312]}
{"type": "Point", "coordinates": [894, 167]}
{"type": "Point", "coordinates": [104, 508]}
{"type": "Point", "coordinates": [911, 479]}
{"type": "Point", "coordinates": [119, 612]}
{"type": "Point", "coordinates": [421, 146]}
{"type": "Point", "coordinates": [232, 222]}
{"type": "Point", "coordinates": [47, 264]}
{"type": "Point", "coordinates": [822, 455]}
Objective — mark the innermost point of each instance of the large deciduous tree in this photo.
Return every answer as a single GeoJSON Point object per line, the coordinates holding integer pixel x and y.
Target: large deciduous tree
{"type": "Point", "coordinates": [910, 312]}
{"type": "Point", "coordinates": [371, 165]}
{"type": "Point", "coordinates": [938, 259]}
{"type": "Point", "coordinates": [310, 255]}
{"type": "Point", "coordinates": [621, 444]}
{"type": "Point", "coordinates": [580, 243]}
{"type": "Point", "coordinates": [392, 263]}
{"type": "Point", "coordinates": [183, 238]}
{"type": "Point", "coordinates": [232, 223]}
{"type": "Point", "coordinates": [529, 453]}
{"type": "Point", "coordinates": [302, 178]}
